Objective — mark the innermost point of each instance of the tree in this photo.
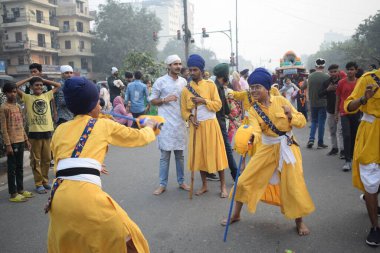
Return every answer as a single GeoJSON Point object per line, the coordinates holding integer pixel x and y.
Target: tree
{"type": "Point", "coordinates": [119, 30]}
{"type": "Point", "coordinates": [145, 63]}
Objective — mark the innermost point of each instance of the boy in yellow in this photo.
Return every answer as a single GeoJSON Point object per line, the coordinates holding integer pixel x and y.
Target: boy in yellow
{"type": "Point", "coordinates": [366, 160]}
{"type": "Point", "coordinates": [210, 154]}
{"type": "Point", "coordinates": [40, 123]}
{"type": "Point", "coordinates": [277, 163]}
{"type": "Point", "coordinates": [83, 218]}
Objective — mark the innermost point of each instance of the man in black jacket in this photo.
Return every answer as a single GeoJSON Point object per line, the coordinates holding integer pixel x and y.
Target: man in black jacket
{"type": "Point", "coordinates": [328, 91]}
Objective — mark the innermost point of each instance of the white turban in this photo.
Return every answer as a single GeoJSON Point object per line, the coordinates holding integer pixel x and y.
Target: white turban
{"type": "Point", "coordinates": [172, 58]}
{"type": "Point", "coordinates": [114, 70]}
{"type": "Point", "coordinates": [66, 68]}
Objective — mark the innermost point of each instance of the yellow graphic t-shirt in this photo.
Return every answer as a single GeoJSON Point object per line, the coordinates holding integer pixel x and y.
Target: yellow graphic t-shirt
{"type": "Point", "coordinates": [39, 112]}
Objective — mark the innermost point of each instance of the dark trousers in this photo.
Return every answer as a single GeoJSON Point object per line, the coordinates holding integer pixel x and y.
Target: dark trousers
{"type": "Point", "coordinates": [136, 115]}
{"type": "Point", "coordinates": [304, 112]}
{"type": "Point", "coordinates": [61, 121]}
{"type": "Point", "coordinates": [227, 145]}
{"type": "Point", "coordinates": [350, 124]}
{"type": "Point", "coordinates": [15, 164]}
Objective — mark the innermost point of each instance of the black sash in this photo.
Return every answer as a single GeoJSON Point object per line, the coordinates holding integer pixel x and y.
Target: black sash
{"type": "Point", "coordinates": [192, 91]}
{"type": "Point", "coordinates": [377, 80]}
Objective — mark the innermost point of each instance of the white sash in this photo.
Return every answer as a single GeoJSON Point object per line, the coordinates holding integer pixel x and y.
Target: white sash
{"type": "Point", "coordinates": [368, 117]}
{"type": "Point", "coordinates": [286, 153]}
{"type": "Point", "coordinates": [204, 113]}
{"type": "Point", "coordinates": [78, 163]}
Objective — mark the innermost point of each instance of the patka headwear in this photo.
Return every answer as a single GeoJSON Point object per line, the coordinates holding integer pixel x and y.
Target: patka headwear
{"type": "Point", "coordinates": [243, 72]}
{"type": "Point", "coordinates": [172, 58]}
{"type": "Point", "coordinates": [221, 70]}
{"type": "Point", "coordinates": [320, 63]}
{"type": "Point", "coordinates": [114, 70]}
{"type": "Point", "coordinates": [260, 76]}
{"type": "Point", "coordinates": [81, 95]}
{"type": "Point", "coordinates": [196, 60]}
{"type": "Point", "coordinates": [66, 68]}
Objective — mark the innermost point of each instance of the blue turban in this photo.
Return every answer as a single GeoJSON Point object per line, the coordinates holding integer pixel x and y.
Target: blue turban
{"type": "Point", "coordinates": [260, 76]}
{"type": "Point", "coordinates": [196, 60]}
{"type": "Point", "coordinates": [81, 95]}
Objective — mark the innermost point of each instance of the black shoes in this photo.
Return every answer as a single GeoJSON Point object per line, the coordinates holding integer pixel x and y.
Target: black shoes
{"type": "Point", "coordinates": [373, 238]}
{"type": "Point", "coordinates": [333, 151]}
{"type": "Point", "coordinates": [310, 144]}
{"type": "Point", "coordinates": [321, 146]}
{"type": "Point", "coordinates": [212, 177]}
{"type": "Point", "coordinates": [342, 155]}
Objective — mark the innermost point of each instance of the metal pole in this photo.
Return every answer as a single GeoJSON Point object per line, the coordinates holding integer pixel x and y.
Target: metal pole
{"type": "Point", "coordinates": [237, 51]}
{"type": "Point", "coordinates": [232, 49]}
{"type": "Point", "coordinates": [186, 36]}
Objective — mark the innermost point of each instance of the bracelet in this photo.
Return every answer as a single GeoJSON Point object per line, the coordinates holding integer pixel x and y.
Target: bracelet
{"type": "Point", "coordinates": [363, 100]}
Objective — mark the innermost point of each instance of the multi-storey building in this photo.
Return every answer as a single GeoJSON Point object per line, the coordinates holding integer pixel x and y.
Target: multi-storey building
{"type": "Point", "coordinates": [75, 37]}
{"type": "Point", "coordinates": [29, 29]}
{"type": "Point", "coordinates": [49, 32]}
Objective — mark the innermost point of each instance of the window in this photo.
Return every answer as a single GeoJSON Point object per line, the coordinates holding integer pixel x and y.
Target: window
{"type": "Point", "coordinates": [80, 6]}
{"type": "Point", "coordinates": [21, 60]}
{"type": "Point", "coordinates": [67, 44]}
{"type": "Point", "coordinates": [16, 12]}
{"type": "Point", "coordinates": [41, 59]}
{"type": "Point", "coordinates": [39, 16]}
{"type": "Point", "coordinates": [66, 26]}
{"type": "Point", "coordinates": [41, 40]}
{"type": "Point", "coordinates": [18, 36]}
{"type": "Point", "coordinates": [71, 63]}
{"type": "Point", "coordinates": [47, 60]}
{"type": "Point", "coordinates": [83, 63]}
{"type": "Point", "coordinates": [81, 45]}
{"type": "Point", "coordinates": [79, 26]}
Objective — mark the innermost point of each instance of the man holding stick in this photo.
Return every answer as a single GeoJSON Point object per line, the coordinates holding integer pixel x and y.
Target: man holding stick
{"type": "Point", "coordinates": [207, 154]}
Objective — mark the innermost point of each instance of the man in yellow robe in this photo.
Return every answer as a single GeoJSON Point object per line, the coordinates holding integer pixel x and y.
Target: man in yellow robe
{"type": "Point", "coordinates": [206, 146]}
{"type": "Point", "coordinates": [366, 159]}
{"type": "Point", "coordinates": [274, 174]}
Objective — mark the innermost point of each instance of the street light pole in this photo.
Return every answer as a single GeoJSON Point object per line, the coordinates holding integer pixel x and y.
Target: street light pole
{"type": "Point", "coordinates": [237, 51]}
{"type": "Point", "coordinates": [186, 32]}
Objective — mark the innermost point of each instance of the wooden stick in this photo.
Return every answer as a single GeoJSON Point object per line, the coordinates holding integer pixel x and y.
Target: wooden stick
{"type": "Point", "coordinates": [193, 158]}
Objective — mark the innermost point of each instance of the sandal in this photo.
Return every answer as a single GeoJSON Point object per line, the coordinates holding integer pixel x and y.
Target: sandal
{"type": "Point", "coordinates": [41, 190]}
{"type": "Point", "coordinates": [18, 198]}
{"type": "Point", "coordinates": [47, 186]}
{"type": "Point", "coordinates": [27, 194]}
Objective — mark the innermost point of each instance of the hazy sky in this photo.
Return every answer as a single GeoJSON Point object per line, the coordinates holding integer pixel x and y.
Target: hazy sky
{"type": "Point", "coordinates": [269, 28]}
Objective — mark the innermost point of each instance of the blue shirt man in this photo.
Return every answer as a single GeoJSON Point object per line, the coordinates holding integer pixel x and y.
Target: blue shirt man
{"type": "Point", "coordinates": [136, 94]}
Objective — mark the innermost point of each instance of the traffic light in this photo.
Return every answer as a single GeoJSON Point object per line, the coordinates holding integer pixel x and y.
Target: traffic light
{"type": "Point", "coordinates": [179, 35]}
{"type": "Point", "coordinates": [204, 33]}
{"type": "Point", "coordinates": [232, 60]}
{"type": "Point", "coordinates": [155, 37]}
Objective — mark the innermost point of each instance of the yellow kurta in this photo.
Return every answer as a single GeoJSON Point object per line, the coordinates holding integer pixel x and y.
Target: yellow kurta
{"type": "Point", "coordinates": [83, 218]}
{"type": "Point", "coordinates": [210, 153]}
{"type": "Point", "coordinates": [367, 142]}
{"type": "Point", "coordinates": [291, 192]}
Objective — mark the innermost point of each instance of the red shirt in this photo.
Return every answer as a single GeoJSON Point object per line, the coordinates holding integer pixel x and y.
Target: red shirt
{"type": "Point", "coordinates": [344, 90]}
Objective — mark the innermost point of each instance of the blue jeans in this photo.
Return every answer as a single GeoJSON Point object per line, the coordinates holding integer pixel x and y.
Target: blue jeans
{"type": "Point", "coordinates": [318, 120]}
{"type": "Point", "coordinates": [164, 166]}
{"type": "Point", "coordinates": [227, 145]}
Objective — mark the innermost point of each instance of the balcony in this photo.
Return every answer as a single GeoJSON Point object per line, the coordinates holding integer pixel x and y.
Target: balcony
{"type": "Point", "coordinates": [10, 21]}
{"type": "Point", "coordinates": [72, 10]}
{"type": "Point", "coordinates": [73, 31]}
{"type": "Point", "coordinates": [30, 45]}
{"type": "Point", "coordinates": [78, 52]}
{"type": "Point", "coordinates": [43, 3]}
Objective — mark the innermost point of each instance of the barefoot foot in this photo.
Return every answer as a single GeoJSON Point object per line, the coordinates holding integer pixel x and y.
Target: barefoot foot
{"type": "Point", "coordinates": [302, 229]}
{"type": "Point", "coordinates": [223, 193]}
{"type": "Point", "coordinates": [232, 220]}
{"type": "Point", "coordinates": [201, 191]}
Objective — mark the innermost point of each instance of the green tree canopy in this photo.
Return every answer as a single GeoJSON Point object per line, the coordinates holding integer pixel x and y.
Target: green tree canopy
{"type": "Point", "coordinates": [121, 29]}
{"type": "Point", "coordinates": [145, 63]}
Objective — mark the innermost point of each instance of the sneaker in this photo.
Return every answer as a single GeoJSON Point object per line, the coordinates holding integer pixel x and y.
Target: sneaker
{"type": "Point", "coordinates": [321, 146]}
{"type": "Point", "coordinates": [362, 198]}
{"type": "Point", "coordinates": [47, 186]}
{"type": "Point", "coordinates": [27, 194]}
{"type": "Point", "coordinates": [212, 177]}
{"type": "Point", "coordinates": [310, 144]}
{"type": "Point", "coordinates": [342, 155]}
{"type": "Point", "coordinates": [18, 198]}
{"type": "Point", "coordinates": [373, 238]}
{"type": "Point", "coordinates": [346, 167]}
{"type": "Point", "coordinates": [333, 151]}
{"type": "Point", "coordinates": [40, 190]}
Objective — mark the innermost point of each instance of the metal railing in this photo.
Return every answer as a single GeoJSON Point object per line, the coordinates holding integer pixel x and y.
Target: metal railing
{"type": "Point", "coordinates": [9, 18]}
{"type": "Point", "coordinates": [31, 44]}
{"type": "Point", "coordinates": [68, 29]}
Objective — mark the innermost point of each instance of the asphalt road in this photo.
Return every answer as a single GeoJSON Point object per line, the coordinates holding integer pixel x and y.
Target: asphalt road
{"type": "Point", "coordinates": [173, 223]}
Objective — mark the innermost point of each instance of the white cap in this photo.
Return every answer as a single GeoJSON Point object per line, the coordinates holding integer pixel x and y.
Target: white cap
{"type": "Point", "coordinates": [114, 70]}
{"type": "Point", "coordinates": [66, 68]}
{"type": "Point", "coordinates": [172, 58]}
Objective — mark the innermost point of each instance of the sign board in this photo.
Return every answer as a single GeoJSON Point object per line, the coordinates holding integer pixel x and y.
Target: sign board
{"type": "Point", "coordinates": [290, 72]}
{"type": "Point", "coordinates": [2, 66]}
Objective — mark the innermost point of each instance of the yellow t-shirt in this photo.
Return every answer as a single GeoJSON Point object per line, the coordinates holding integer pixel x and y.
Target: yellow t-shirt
{"type": "Point", "coordinates": [39, 112]}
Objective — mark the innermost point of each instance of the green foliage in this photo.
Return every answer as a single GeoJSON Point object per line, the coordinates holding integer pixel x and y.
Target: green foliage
{"type": "Point", "coordinates": [121, 29]}
{"type": "Point", "coordinates": [145, 63]}
{"type": "Point", "coordinates": [363, 47]}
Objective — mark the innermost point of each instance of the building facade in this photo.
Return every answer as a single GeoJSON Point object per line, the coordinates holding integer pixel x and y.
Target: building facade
{"type": "Point", "coordinates": [48, 32]}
